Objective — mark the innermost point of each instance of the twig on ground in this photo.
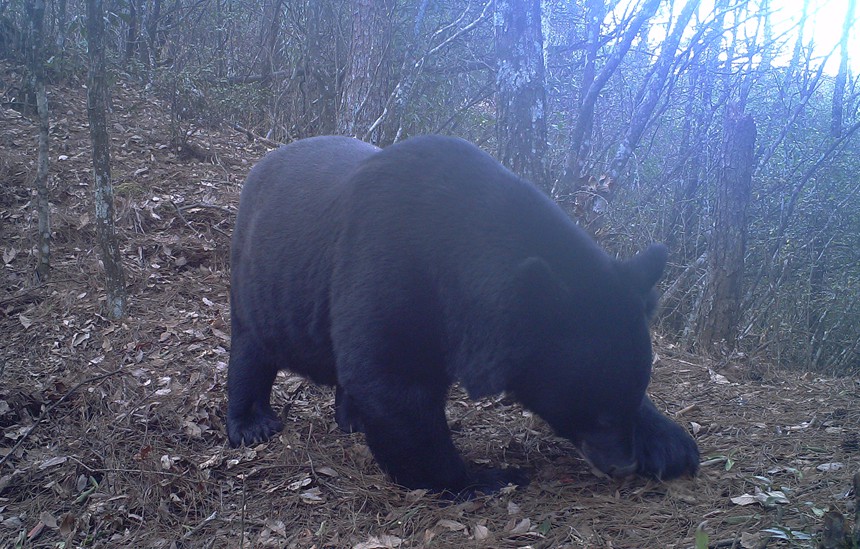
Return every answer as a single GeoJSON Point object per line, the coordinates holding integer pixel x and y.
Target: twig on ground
{"type": "Point", "coordinates": [22, 293]}
{"type": "Point", "coordinates": [252, 135]}
{"type": "Point", "coordinates": [182, 217]}
{"type": "Point", "coordinates": [204, 205]}
{"type": "Point", "coordinates": [48, 410]}
{"type": "Point", "coordinates": [203, 523]}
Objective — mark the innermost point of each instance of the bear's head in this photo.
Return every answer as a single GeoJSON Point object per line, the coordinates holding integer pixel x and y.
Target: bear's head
{"type": "Point", "coordinates": [589, 360]}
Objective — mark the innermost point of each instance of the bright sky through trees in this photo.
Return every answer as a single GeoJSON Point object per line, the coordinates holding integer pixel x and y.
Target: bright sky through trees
{"type": "Point", "coordinates": [825, 20]}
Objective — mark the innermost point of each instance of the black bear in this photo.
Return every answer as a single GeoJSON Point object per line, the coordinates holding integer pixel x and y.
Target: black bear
{"type": "Point", "coordinates": [393, 273]}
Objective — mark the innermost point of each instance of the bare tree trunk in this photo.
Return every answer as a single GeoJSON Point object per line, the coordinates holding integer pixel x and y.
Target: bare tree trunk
{"type": "Point", "coordinates": [103, 190]}
{"type": "Point", "coordinates": [650, 93]}
{"type": "Point", "coordinates": [36, 60]}
{"type": "Point", "coordinates": [319, 92]}
{"type": "Point", "coordinates": [413, 66]}
{"type": "Point", "coordinates": [153, 20]}
{"type": "Point", "coordinates": [816, 304]}
{"type": "Point", "coordinates": [580, 146]}
{"type": "Point", "coordinates": [132, 39]}
{"type": "Point", "coordinates": [521, 89]}
{"type": "Point", "coordinates": [574, 173]}
{"type": "Point", "coordinates": [43, 205]}
{"type": "Point", "coordinates": [842, 75]}
{"type": "Point", "coordinates": [271, 26]}
{"type": "Point", "coordinates": [62, 23]}
{"type": "Point", "coordinates": [719, 312]}
{"type": "Point", "coordinates": [595, 12]}
{"type": "Point", "coordinates": [364, 93]}
{"type": "Point", "coordinates": [221, 41]}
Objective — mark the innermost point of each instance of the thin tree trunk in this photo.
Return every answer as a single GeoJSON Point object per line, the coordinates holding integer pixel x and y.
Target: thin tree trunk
{"type": "Point", "coordinates": [521, 89]}
{"type": "Point", "coordinates": [221, 41]}
{"type": "Point", "coordinates": [364, 96]}
{"type": "Point", "coordinates": [103, 190]}
{"type": "Point", "coordinates": [269, 40]}
{"type": "Point", "coordinates": [320, 92]}
{"type": "Point", "coordinates": [720, 306]}
{"type": "Point", "coordinates": [574, 172]}
{"type": "Point", "coordinates": [842, 75]}
{"type": "Point", "coordinates": [150, 57]}
{"type": "Point", "coordinates": [36, 60]}
{"type": "Point", "coordinates": [650, 94]}
{"type": "Point", "coordinates": [816, 305]}
{"type": "Point", "coordinates": [132, 40]}
{"type": "Point", "coordinates": [61, 27]}
{"type": "Point", "coordinates": [43, 204]}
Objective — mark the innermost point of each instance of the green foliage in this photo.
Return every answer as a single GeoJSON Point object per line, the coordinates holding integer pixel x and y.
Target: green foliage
{"type": "Point", "coordinates": [701, 537]}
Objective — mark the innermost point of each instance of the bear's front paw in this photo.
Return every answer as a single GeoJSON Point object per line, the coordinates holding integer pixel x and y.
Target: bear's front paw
{"type": "Point", "coordinates": [668, 458]}
{"type": "Point", "coordinates": [253, 428]}
{"type": "Point", "coordinates": [664, 449]}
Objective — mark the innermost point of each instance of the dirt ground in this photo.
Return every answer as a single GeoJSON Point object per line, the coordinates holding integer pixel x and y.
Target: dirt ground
{"type": "Point", "coordinates": [113, 432]}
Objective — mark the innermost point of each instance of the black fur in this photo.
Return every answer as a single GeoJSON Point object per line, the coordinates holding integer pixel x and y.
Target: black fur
{"type": "Point", "coordinates": [391, 274]}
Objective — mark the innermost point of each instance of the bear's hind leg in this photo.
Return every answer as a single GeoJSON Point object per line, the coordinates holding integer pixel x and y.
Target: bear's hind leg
{"type": "Point", "coordinates": [408, 434]}
{"type": "Point", "coordinates": [346, 412]}
{"type": "Point", "coordinates": [250, 375]}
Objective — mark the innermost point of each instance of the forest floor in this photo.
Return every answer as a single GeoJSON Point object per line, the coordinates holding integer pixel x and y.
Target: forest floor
{"type": "Point", "coordinates": [113, 432]}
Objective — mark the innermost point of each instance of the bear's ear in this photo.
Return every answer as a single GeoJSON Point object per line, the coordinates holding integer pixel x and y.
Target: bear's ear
{"type": "Point", "coordinates": [643, 270]}
{"type": "Point", "coordinates": [539, 288]}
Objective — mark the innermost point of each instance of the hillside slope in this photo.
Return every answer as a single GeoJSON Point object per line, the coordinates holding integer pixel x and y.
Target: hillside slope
{"type": "Point", "coordinates": [113, 433]}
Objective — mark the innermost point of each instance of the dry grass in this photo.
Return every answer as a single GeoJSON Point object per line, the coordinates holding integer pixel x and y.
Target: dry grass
{"type": "Point", "coordinates": [114, 432]}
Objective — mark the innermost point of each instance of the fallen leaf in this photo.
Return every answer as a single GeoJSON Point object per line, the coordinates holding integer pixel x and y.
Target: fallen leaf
{"type": "Point", "coordinates": [830, 467]}
{"type": "Point", "coordinates": [48, 520]}
{"type": "Point", "coordinates": [12, 523]}
{"type": "Point", "coordinates": [301, 483]}
{"type": "Point", "coordinates": [764, 497]}
{"type": "Point", "coordinates": [451, 525]}
{"type": "Point", "coordinates": [312, 496]}
{"type": "Point", "coordinates": [521, 527]}
{"type": "Point", "coordinates": [211, 462]}
{"type": "Point", "coordinates": [752, 540]}
{"type": "Point", "coordinates": [52, 462]}
{"type": "Point", "coordinates": [327, 471]}
{"type": "Point", "coordinates": [277, 526]}
{"type": "Point", "coordinates": [718, 378]}
{"type": "Point", "coordinates": [192, 429]}
{"type": "Point", "coordinates": [67, 525]}
{"type": "Point", "coordinates": [481, 532]}
{"type": "Point", "coordinates": [9, 255]}
{"type": "Point", "coordinates": [384, 541]}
